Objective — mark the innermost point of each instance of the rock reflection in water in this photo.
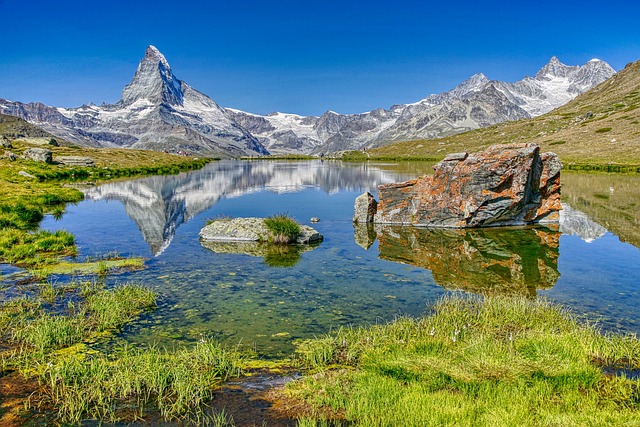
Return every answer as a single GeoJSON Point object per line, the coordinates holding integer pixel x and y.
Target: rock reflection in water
{"type": "Point", "coordinates": [483, 261]}
{"type": "Point", "coordinates": [274, 255]}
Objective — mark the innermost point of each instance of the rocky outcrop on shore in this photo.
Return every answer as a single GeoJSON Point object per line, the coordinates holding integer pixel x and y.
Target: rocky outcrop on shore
{"type": "Point", "coordinates": [43, 155]}
{"type": "Point", "coordinates": [504, 185]}
{"type": "Point", "coordinates": [75, 161]}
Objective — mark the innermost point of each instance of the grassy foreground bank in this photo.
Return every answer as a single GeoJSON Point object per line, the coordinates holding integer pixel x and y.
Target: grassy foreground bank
{"type": "Point", "coordinates": [50, 336]}
{"type": "Point", "coordinates": [473, 362]}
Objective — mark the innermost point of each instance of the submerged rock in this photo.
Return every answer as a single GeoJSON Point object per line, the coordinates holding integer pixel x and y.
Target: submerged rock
{"type": "Point", "coordinates": [250, 230]}
{"type": "Point", "coordinates": [503, 185]}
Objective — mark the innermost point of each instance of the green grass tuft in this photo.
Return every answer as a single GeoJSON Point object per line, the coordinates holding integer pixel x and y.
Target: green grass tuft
{"type": "Point", "coordinates": [283, 228]}
{"type": "Point", "coordinates": [603, 130]}
{"type": "Point", "coordinates": [31, 249]}
{"type": "Point", "coordinates": [177, 383]}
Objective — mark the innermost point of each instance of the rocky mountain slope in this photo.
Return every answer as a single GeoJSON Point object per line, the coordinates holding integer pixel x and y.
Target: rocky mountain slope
{"type": "Point", "coordinates": [601, 126]}
{"type": "Point", "coordinates": [160, 112]}
{"type": "Point", "coordinates": [157, 111]}
{"type": "Point", "coordinates": [475, 103]}
{"type": "Point", "coordinates": [13, 127]}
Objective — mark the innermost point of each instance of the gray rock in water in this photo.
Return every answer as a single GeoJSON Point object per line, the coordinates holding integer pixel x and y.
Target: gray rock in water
{"type": "Point", "coordinates": [250, 230]}
{"type": "Point", "coordinates": [365, 208]}
{"type": "Point", "coordinates": [75, 161]}
{"type": "Point", "coordinates": [39, 155]}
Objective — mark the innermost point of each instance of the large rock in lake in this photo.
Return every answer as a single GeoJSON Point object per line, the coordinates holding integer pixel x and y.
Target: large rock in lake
{"type": "Point", "coordinates": [251, 236]}
{"type": "Point", "coordinates": [503, 185]}
{"type": "Point", "coordinates": [250, 230]}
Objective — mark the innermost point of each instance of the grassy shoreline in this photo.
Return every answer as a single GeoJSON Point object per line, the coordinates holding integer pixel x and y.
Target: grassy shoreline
{"type": "Point", "coordinates": [46, 333]}
{"type": "Point", "coordinates": [473, 362]}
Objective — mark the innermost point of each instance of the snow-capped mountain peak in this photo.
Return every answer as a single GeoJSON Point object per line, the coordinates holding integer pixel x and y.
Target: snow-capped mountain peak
{"type": "Point", "coordinates": [154, 55]}
{"type": "Point", "coordinates": [154, 81]}
{"type": "Point", "coordinates": [157, 111]}
{"type": "Point", "coordinates": [474, 83]}
{"type": "Point", "coordinates": [555, 68]}
{"type": "Point", "coordinates": [476, 102]}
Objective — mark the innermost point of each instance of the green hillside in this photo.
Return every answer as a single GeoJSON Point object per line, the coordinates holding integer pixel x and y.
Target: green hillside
{"type": "Point", "coordinates": [599, 127]}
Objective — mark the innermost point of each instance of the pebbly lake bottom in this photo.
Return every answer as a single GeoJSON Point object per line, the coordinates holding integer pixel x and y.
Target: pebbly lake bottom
{"type": "Point", "coordinates": [355, 276]}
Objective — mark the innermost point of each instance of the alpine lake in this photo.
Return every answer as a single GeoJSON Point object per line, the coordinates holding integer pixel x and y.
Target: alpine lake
{"type": "Point", "coordinates": [263, 301]}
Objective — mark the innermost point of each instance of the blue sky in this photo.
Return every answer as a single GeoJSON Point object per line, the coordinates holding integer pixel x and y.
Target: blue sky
{"type": "Point", "coordinates": [302, 57]}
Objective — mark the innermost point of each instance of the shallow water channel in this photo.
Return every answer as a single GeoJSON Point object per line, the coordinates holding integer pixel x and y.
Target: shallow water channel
{"type": "Point", "coordinates": [591, 262]}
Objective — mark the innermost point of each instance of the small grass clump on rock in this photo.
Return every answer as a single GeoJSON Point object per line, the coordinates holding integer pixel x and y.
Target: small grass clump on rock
{"type": "Point", "coordinates": [283, 228]}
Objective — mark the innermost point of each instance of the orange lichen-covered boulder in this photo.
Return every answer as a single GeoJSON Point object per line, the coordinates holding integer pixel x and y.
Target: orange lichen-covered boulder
{"type": "Point", "coordinates": [503, 185]}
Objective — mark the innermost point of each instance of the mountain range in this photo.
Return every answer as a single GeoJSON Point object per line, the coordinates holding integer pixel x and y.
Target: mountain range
{"type": "Point", "coordinates": [160, 112]}
{"type": "Point", "coordinates": [598, 127]}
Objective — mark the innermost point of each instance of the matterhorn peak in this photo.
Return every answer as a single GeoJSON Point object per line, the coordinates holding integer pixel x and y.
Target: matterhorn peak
{"type": "Point", "coordinates": [154, 55]}
{"type": "Point", "coordinates": [153, 81]}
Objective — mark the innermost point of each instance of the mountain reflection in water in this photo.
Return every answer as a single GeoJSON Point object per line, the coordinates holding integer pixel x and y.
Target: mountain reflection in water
{"type": "Point", "coordinates": [159, 204]}
{"type": "Point", "coordinates": [479, 260]}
